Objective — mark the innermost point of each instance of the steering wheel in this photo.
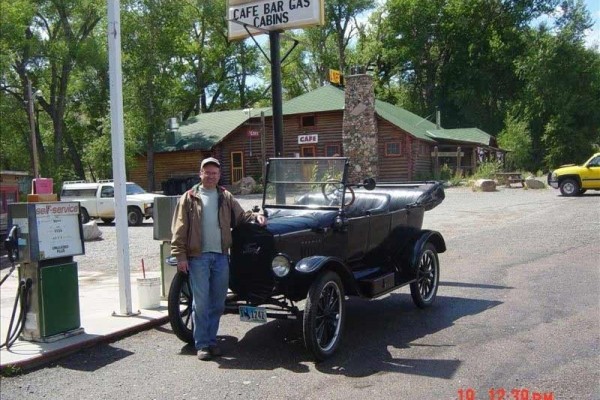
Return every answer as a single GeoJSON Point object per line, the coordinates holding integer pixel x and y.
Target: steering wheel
{"type": "Point", "coordinates": [332, 191]}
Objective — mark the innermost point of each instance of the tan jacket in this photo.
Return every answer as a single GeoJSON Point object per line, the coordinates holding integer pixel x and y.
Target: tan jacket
{"type": "Point", "coordinates": [187, 222]}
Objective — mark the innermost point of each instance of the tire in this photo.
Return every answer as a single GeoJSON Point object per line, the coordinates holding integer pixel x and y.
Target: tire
{"type": "Point", "coordinates": [179, 306]}
{"type": "Point", "coordinates": [324, 315]}
{"type": "Point", "coordinates": [85, 216]}
{"type": "Point", "coordinates": [134, 216]}
{"type": "Point", "coordinates": [424, 289]}
{"type": "Point", "coordinates": [107, 220]}
{"type": "Point", "coordinates": [569, 187]}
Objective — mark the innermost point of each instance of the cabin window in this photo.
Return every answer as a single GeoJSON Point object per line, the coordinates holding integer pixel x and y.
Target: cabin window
{"type": "Point", "coordinates": [392, 149]}
{"type": "Point", "coordinates": [307, 121]}
{"type": "Point", "coordinates": [332, 150]}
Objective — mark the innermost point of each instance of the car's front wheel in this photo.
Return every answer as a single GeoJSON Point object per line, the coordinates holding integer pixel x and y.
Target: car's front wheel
{"type": "Point", "coordinates": [180, 307]}
{"type": "Point", "coordinates": [569, 187]}
{"type": "Point", "coordinates": [134, 216]}
{"type": "Point", "coordinates": [324, 315]}
{"type": "Point", "coordinates": [424, 289]}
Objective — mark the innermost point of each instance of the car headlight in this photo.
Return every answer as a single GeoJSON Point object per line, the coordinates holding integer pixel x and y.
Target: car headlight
{"type": "Point", "coordinates": [147, 205]}
{"type": "Point", "coordinates": [281, 265]}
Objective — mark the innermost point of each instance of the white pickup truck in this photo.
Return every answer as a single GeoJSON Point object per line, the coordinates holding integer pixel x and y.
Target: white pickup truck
{"type": "Point", "coordinates": [97, 200]}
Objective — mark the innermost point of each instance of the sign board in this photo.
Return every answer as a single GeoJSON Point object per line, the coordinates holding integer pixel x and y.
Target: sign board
{"type": "Point", "coordinates": [269, 15]}
{"type": "Point", "coordinates": [447, 153]}
{"type": "Point", "coordinates": [58, 230]}
{"type": "Point", "coordinates": [335, 76]}
{"type": "Point", "coordinates": [253, 133]}
{"type": "Point", "coordinates": [307, 139]}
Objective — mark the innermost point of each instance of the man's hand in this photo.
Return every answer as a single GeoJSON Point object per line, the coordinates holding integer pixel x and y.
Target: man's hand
{"type": "Point", "coordinates": [260, 219]}
{"type": "Point", "coordinates": [182, 266]}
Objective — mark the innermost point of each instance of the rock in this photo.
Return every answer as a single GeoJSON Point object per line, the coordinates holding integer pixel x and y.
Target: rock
{"type": "Point", "coordinates": [243, 186]}
{"type": "Point", "coordinates": [484, 185]}
{"type": "Point", "coordinates": [532, 183]}
{"type": "Point", "coordinates": [91, 231]}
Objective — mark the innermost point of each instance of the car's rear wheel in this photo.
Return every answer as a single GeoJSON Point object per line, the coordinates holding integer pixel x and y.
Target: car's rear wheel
{"type": "Point", "coordinates": [180, 308]}
{"type": "Point", "coordinates": [569, 187]}
{"type": "Point", "coordinates": [134, 216]}
{"type": "Point", "coordinates": [84, 215]}
{"type": "Point", "coordinates": [424, 289]}
{"type": "Point", "coordinates": [324, 315]}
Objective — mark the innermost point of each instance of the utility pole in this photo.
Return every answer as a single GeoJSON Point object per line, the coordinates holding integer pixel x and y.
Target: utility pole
{"type": "Point", "coordinates": [30, 111]}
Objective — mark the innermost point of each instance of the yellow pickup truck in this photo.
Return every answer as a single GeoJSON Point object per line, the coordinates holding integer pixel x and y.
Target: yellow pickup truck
{"type": "Point", "coordinates": [575, 180]}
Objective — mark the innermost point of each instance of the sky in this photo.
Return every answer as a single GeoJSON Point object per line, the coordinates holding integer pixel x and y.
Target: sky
{"type": "Point", "coordinates": [593, 38]}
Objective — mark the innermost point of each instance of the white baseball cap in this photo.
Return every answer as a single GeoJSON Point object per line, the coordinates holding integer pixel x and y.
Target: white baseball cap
{"type": "Point", "coordinates": [210, 160]}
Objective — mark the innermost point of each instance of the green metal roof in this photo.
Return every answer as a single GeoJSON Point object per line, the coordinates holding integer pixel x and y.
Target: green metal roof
{"type": "Point", "coordinates": [206, 130]}
{"type": "Point", "coordinates": [203, 131]}
{"type": "Point", "coordinates": [331, 98]}
{"type": "Point", "coordinates": [409, 122]}
{"type": "Point", "coordinates": [325, 98]}
{"type": "Point", "coordinates": [470, 135]}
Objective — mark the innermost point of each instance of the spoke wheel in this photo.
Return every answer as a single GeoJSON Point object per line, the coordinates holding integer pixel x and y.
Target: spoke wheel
{"type": "Point", "coordinates": [324, 315]}
{"type": "Point", "coordinates": [180, 308]}
{"type": "Point", "coordinates": [424, 289]}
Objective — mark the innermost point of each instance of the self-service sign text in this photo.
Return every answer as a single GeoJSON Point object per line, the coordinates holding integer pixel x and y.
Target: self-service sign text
{"type": "Point", "coordinates": [58, 230]}
{"type": "Point", "coordinates": [308, 139]}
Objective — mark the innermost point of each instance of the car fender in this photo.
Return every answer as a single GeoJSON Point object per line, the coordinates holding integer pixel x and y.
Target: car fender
{"type": "Point", "coordinates": [575, 177]}
{"type": "Point", "coordinates": [313, 265]}
{"type": "Point", "coordinates": [426, 236]}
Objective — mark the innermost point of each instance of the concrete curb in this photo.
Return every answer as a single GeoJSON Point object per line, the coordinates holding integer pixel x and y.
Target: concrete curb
{"type": "Point", "coordinates": [46, 358]}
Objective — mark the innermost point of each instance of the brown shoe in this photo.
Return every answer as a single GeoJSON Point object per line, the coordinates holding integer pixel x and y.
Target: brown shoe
{"type": "Point", "coordinates": [204, 354]}
{"type": "Point", "coordinates": [215, 351]}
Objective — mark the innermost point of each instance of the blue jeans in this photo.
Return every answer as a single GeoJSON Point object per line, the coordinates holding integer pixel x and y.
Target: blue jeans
{"type": "Point", "coordinates": [209, 280]}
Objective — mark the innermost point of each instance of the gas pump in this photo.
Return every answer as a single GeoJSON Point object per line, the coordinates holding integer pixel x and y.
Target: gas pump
{"type": "Point", "coordinates": [43, 239]}
{"type": "Point", "coordinates": [164, 207]}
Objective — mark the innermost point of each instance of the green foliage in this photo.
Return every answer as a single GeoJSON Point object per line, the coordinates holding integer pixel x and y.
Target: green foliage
{"type": "Point", "coordinates": [484, 63]}
{"type": "Point", "coordinates": [444, 174]}
{"type": "Point", "coordinates": [516, 138]}
{"type": "Point", "coordinates": [487, 170]}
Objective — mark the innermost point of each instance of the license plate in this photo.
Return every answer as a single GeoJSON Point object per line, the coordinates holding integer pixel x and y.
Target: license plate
{"type": "Point", "coordinates": [253, 314]}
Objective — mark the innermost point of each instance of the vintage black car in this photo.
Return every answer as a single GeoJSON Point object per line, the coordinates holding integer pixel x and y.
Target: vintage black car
{"type": "Point", "coordinates": [325, 239]}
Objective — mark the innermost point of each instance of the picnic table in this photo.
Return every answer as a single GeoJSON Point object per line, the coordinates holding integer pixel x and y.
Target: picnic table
{"type": "Point", "coordinates": [507, 178]}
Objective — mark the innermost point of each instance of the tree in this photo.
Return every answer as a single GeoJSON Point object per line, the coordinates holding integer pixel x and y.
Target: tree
{"type": "Point", "coordinates": [45, 54]}
{"type": "Point", "coordinates": [561, 96]}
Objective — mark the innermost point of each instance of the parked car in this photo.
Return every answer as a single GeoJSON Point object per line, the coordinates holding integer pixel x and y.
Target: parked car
{"type": "Point", "coordinates": [575, 180]}
{"type": "Point", "coordinates": [325, 239]}
{"type": "Point", "coordinates": [97, 200]}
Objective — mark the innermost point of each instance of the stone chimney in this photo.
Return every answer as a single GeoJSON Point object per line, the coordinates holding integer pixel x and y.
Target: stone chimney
{"type": "Point", "coordinates": [359, 137]}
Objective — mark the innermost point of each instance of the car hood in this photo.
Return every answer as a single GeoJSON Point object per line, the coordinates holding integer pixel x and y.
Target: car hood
{"type": "Point", "coordinates": [145, 197]}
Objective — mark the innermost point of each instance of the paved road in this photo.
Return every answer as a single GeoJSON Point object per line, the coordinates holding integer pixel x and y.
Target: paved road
{"type": "Point", "coordinates": [517, 309]}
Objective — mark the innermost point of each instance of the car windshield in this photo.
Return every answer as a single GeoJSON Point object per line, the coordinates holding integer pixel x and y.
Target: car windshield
{"type": "Point", "coordinates": [133, 188]}
{"type": "Point", "coordinates": [305, 182]}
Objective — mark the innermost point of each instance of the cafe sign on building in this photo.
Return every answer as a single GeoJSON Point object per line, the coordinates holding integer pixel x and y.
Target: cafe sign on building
{"type": "Point", "coordinates": [308, 139]}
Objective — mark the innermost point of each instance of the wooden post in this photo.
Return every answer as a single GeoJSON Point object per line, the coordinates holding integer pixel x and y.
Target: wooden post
{"type": "Point", "coordinates": [436, 162]}
{"type": "Point", "coordinates": [458, 161]}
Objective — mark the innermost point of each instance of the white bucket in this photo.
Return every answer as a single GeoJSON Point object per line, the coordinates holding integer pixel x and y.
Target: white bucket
{"type": "Point", "coordinates": [148, 292]}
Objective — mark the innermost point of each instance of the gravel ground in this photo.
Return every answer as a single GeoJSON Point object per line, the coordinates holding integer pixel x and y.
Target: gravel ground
{"type": "Point", "coordinates": [100, 255]}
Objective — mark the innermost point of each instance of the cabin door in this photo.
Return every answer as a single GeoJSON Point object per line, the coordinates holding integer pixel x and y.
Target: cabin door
{"type": "Point", "coordinates": [237, 166]}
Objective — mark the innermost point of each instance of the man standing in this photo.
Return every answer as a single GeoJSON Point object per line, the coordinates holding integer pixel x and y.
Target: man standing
{"type": "Point", "coordinates": [201, 240]}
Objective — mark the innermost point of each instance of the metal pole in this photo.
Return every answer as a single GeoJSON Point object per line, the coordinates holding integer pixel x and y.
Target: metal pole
{"type": "Point", "coordinates": [276, 92]}
{"type": "Point", "coordinates": [118, 155]}
{"type": "Point", "coordinates": [30, 111]}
